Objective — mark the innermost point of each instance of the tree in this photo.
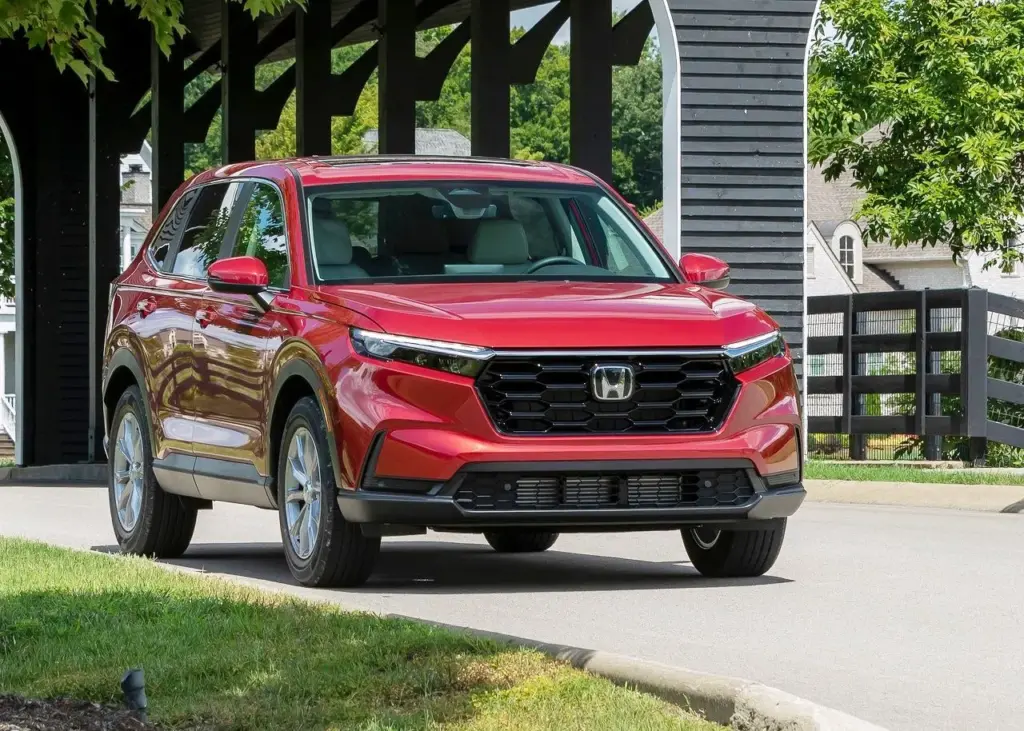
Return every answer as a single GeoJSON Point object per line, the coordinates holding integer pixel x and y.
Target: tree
{"type": "Point", "coordinates": [66, 28]}
{"type": "Point", "coordinates": [943, 83]}
{"type": "Point", "coordinates": [637, 127]}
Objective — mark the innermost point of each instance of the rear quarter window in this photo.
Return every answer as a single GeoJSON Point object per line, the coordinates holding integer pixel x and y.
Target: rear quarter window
{"type": "Point", "coordinates": [169, 231]}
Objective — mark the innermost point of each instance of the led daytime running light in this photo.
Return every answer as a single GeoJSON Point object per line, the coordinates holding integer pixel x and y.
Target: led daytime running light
{"type": "Point", "coordinates": [746, 354]}
{"type": "Point", "coordinates": [457, 358]}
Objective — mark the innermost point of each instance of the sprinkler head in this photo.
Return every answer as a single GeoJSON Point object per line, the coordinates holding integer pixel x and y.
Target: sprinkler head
{"type": "Point", "coordinates": [133, 685]}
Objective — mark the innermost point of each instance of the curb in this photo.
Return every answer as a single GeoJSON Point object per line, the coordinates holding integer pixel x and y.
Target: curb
{"type": "Point", "coordinates": [58, 475]}
{"type": "Point", "coordinates": [739, 704]}
{"type": "Point", "coordinates": [979, 498]}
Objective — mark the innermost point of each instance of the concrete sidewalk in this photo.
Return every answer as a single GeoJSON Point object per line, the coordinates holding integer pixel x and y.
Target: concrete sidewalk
{"type": "Point", "coordinates": [985, 498]}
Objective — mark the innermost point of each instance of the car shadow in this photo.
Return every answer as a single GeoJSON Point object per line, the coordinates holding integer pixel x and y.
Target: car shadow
{"type": "Point", "coordinates": [460, 568]}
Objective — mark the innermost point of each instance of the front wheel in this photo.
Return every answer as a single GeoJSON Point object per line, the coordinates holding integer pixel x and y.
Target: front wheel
{"type": "Point", "coordinates": [733, 553]}
{"type": "Point", "coordinates": [321, 547]}
{"type": "Point", "coordinates": [527, 541]}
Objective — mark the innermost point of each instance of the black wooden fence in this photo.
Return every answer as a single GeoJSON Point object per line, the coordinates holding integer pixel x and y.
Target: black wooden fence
{"type": "Point", "coordinates": [942, 367]}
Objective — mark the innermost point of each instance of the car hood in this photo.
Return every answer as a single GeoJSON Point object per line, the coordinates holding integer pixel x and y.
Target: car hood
{"type": "Point", "coordinates": [556, 314]}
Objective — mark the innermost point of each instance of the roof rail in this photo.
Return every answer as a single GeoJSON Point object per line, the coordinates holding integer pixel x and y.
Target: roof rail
{"type": "Point", "coordinates": [339, 160]}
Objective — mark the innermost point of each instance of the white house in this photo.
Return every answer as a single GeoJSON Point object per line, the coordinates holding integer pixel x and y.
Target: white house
{"type": "Point", "coordinates": [838, 261]}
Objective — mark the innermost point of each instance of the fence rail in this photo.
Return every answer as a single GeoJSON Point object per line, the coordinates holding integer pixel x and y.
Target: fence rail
{"type": "Point", "coordinates": [9, 415]}
{"type": "Point", "coordinates": [930, 365]}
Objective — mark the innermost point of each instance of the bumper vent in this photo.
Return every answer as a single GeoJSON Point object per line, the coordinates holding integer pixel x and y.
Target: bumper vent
{"type": "Point", "coordinates": [689, 488]}
{"type": "Point", "coordinates": [553, 394]}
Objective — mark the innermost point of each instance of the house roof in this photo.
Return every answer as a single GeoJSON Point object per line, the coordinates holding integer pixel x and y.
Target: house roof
{"type": "Point", "coordinates": [438, 142]}
{"type": "Point", "coordinates": [881, 252]}
{"type": "Point", "coordinates": [656, 222]}
{"type": "Point", "coordinates": [832, 202]}
{"type": "Point", "coordinates": [876, 279]}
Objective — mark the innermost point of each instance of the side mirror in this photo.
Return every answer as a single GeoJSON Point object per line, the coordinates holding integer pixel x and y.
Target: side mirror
{"type": "Point", "coordinates": [707, 271]}
{"type": "Point", "coordinates": [239, 274]}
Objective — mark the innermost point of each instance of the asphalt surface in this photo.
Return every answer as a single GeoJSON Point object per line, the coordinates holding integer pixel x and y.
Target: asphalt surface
{"type": "Point", "coordinates": [910, 618]}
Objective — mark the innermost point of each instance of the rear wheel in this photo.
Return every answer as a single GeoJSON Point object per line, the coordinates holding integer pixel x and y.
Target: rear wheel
{"type": "Point", "coordinates": [147, 521]}
{"type": "Point", "coordinates": [733, 553]}
{"type": "Point", "coordinates": [527, 541]}
{"type": "Point", "coordinates": [321, 547]}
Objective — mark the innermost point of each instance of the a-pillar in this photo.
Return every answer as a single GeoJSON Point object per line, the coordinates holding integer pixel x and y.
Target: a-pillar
{"type": "Point", "coordinates": [238, 84]}
{"type": "Point", "coordinates": [167, 106]}
{"type": "Point", "coordinates": [312, 78]}
{"type": "Point", "coordinates": [590, 86]}
{"type": "Point", "coordinates": [397, 76]}
{"type": "Point", "coordinates": [490, 100]}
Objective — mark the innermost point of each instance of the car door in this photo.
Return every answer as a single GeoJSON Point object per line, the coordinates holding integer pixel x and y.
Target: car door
{"type": "Point", "coordinates": [234, 348]}
{"type": "Point", "coordinates": [203, 232]}
{"type": "Point", "coordinates": [162, 323]}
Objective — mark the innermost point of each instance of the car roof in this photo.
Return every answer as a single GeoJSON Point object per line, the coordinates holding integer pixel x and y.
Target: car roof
{"type": "Point", "coordinates": [314, 171]}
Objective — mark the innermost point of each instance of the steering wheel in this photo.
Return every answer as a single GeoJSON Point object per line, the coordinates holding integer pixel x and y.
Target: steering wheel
{"type": "Point", "coordinates": [550, 260]}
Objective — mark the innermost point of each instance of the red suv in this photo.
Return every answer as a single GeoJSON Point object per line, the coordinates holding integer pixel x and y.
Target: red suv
{"type": "Point", "coordinates": [377, 346]}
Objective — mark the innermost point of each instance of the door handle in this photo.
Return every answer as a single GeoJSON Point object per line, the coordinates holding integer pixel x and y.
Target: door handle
{"type": "Point", "coordinates": [204, 317]}
{"type": "Point", "coordinates": [146, 306]}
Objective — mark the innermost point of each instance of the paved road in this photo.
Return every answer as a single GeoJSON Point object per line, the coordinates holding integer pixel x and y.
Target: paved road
{"type": "Point", "coordinates": [910, 618]}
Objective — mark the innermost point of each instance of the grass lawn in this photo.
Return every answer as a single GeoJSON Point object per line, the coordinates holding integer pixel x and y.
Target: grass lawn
{"type": "Point", "coordinates": [221, 656]}
{"type": "Point", "coordinates": [895, 473]}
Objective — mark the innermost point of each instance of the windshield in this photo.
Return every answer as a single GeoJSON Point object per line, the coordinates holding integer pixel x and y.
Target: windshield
{"type": "Point", "coordinates": [454, 230]}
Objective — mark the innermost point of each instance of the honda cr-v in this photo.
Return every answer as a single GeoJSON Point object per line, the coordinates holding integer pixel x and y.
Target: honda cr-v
{"type": "Point", "coordinates": [380, 346]}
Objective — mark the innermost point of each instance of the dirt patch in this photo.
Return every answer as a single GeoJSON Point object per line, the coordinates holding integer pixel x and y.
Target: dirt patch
{"type": "Point", "coordinates": [23, 714]}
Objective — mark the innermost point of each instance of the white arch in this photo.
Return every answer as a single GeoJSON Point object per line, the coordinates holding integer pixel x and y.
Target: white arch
{"type": "Point", "coordinates": [671, 127]}
{"type": "Point", "coordinates": [19, 304]}
{"type": "Point", "coordinates": [803, 228]}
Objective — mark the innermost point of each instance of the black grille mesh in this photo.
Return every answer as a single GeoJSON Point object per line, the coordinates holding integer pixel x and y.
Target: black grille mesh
{"type": "Point", "coordinates": [551, 394]}
{"type": "Point", "coordinates": [687, 488]}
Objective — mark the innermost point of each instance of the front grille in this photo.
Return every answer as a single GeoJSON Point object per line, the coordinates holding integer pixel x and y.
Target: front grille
{"type": "Point", "coordinates": [672, 489]}
{"type": "Point", "coordinates": [553, 394]}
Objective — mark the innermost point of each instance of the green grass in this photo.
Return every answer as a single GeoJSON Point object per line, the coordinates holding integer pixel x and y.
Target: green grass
{"type": "Point", "coordinates": [895, 473]}
{"type": "Point", "coordinates": [221, 656]}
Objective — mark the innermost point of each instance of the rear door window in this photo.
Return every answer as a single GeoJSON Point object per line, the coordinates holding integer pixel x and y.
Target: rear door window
{"type": "Point", "coordinates": [206, 231]}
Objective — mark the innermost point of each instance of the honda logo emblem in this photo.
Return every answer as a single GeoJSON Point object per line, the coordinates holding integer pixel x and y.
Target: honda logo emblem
{"type": "Point", "coordinates": [612, 382]}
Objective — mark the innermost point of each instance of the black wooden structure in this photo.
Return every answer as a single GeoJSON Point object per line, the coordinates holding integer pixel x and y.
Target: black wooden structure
{"type": "Point", "coordinates": [950, 364]}
{"type": "Point", "coordinates": [734, 121]}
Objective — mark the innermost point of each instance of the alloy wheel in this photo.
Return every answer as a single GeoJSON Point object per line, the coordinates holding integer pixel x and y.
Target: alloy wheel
{"type": "Point", "coordinates": [302, 491]}
{"type": "Point", "coordinates": [129, 472]}
{"type": "Point", "coordinates": [706, 538]}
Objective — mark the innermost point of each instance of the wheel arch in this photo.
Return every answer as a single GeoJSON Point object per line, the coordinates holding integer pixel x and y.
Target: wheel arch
{"type": "Point", "coordinates": [122, 372]}
{"type": "Point", "coordinates": [294, 380]}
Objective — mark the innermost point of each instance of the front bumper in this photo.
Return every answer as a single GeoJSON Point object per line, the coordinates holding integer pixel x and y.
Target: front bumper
{"type": "Point", "coordinates": [443, 506]}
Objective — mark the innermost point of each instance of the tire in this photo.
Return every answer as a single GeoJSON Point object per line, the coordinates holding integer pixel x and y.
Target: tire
{"type": "Point", "coordinates": [734, 553]}
{"type": "Point", "coordinates": [335, 552]}
{"type": "Point", "coordinates": [147, 521]}
{"type": "Point", "coordinates": [527, 541]}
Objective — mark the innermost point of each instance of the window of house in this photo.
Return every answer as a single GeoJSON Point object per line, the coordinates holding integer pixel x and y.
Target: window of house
{"type": "Point", "coordinates": [1012, 270]}
{"type": "Point", "coordinates": [207, 226]}
{"type": "Point", "coordinates": [846, 259]}
{"type": "Point", "coordinates": [261, 233]}
{"type": "Point", "coordinates": [810, 262]}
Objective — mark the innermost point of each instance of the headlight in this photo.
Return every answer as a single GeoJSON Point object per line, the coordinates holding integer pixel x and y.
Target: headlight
{"type": "Point", "coordinates": [746, 354]}
{"type": "Point", "coordinates": [462, 360]}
